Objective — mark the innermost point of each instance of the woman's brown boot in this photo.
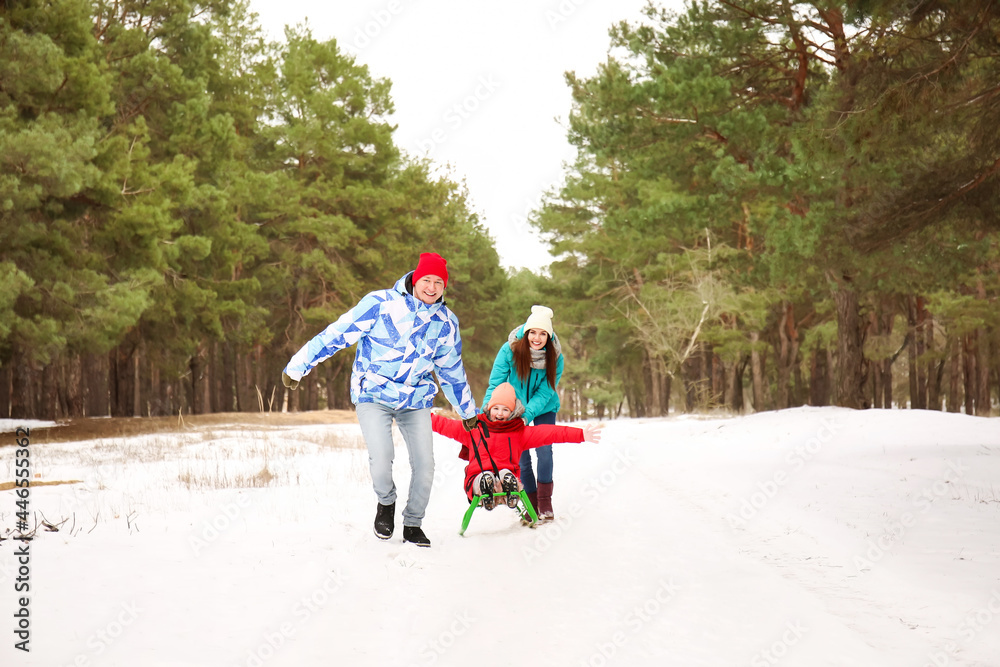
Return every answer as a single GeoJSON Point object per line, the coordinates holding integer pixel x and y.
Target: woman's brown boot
{"type": "Point", "coordinates": [545, 502]}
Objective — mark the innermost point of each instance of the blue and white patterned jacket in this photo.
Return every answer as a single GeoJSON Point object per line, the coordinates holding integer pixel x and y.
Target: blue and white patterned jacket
{"type": "Point", "coordinates": [401, 342]}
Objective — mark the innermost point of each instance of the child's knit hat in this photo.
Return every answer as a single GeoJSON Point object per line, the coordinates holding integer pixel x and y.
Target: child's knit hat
{"type": "Point", "coordinates": [503, 395]}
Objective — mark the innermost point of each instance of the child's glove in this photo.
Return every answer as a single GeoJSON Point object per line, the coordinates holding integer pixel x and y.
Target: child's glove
{"type": "Point", "coordinates": [470, 423]}
{"type": "Point", "coordinates": [289, 382]}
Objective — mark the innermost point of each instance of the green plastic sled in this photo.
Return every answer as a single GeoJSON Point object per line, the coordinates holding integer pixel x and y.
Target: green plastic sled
{"type": "Point", "coordinates": [524, 508]}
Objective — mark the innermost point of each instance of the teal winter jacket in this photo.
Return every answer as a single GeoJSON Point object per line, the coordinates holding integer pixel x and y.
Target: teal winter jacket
{"type": "Point", "coordinates": [535, 394]}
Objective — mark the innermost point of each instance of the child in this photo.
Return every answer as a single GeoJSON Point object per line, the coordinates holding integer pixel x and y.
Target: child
{"type": "Point", "coordinates": [494, 449]}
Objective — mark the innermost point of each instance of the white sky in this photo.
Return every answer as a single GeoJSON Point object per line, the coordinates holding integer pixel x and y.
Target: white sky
{"type": "Point", "coordinates": [478, 87]}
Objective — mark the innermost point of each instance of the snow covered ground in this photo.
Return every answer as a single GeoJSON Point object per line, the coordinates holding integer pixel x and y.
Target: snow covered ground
{"type": "Point", "coordinates": [803, 537]}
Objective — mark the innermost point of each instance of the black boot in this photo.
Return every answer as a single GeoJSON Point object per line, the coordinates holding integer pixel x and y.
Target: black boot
{"type": "Point", "coordinates": [509, 485]}
{"type": "Point", "coordinates": [385, 520]}
{"type": "Point", "coordinates": [415, 535]}
{"type": "Point", "coordinates": [486, 483]}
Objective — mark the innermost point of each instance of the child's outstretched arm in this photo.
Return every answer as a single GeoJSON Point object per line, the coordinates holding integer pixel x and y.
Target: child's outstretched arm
{"type": "Point", "coordinates": [449, 428]}
{"type": "Point", "coordinates": [452, 428]}
{"type": "Point", "coordinates": [536, 436]}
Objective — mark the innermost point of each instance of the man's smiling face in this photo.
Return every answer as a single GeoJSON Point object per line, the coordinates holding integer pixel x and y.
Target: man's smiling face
{"type": "Point", "coordinates": [428, 289]}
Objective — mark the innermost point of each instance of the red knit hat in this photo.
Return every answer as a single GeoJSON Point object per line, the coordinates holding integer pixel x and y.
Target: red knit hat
{"type": "Point", "coordinates": [431, 264]}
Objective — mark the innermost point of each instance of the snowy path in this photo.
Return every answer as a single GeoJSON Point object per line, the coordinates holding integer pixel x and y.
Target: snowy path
{"type": "Point", "coordinates": [805, 537]}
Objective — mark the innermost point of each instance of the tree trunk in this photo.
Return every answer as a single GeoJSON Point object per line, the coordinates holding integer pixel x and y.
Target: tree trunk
{"type": "Point", "coordinates": [887, 384]}
{"type": "Point", "coordinates": [211, 402]}
{"type": "Point", "coordinates": [22, 404]}
{"type": "Point", "coordinates": [306, 391]}
{"type": "Point", "coordinates": [761, 393]}
{"type": "Point", "coordinates": [799, 390]}
{"type": "Point", "coordinates": [652, 384]}
{"type": "Point", "coordinates": [819, 378]}
{"type": "Point", "coordinates": [183, 403]}
{"type": "Point", "coordinates": [913, 373]}
{"type": "Point", "coordinates": [70, 402]}
{"type": "Point", "coordinates": [5, 392]}
{"type": "Point", "coordinates": [718, 380]}
{"type": "Point", "coordinates": [142, 397]}
{"type": "Point", "coordinates": [636, 402]}
{"type": "Point", "coordinates": [171, 394]}
{"type": "Point", "coordinates": [707, 398]}
{"type": "Point", "coordinates": [318, 387]}
{"type": "Point", "coordinates": [983, 374]}
{"type": "Point", "coordinates": [243, 391]}
{"type": "Point", "coordinates": [46, 408]}
{"type": "Point", "coordinates": [970, 373]}
{"type": "Point", "coordinates": [140, 382]}
{"type": "Point", "coordinates": [788, 354]}
{"type": "Point", "coordinates": [851, 364]}
{"type": "Point", "coordinates": [882, 324]}
{"type": "Point", "coordinates": [227, 390]}
{"type": "Point", "coordinates": [935, 367]}
{"type": "Point", "coordinates": [693, 373]}
{"type": "Point", "coordinates": [917, 318]}
{"type": "Point", "coordinates": [163, 393]}
{"type": "Point", "coordinates": [920, 335]}
{"type": "Point", "coordinates": [734, 385]}
{"type": "Point", "coordinates": [122, 371]}
{"type": "Point", "coordinates": [996, 373]}
{"type": "Point", "coordinates": [197, 390]}
{"type": "Point", "coordinates": [95, 374]}
{"type": "Point", "coordinates": [954, 377]}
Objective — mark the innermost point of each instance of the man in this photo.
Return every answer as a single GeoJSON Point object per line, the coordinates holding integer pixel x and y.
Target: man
{"type": "Point", "coordinates": [403, 335]}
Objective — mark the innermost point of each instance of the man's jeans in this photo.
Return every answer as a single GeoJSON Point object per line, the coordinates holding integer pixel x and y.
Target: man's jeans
{"type": "Point", "coordinates": [415, 425]}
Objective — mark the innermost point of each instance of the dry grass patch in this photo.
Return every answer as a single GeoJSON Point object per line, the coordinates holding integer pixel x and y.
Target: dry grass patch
{"type": "Point", "coordinates": [93, 428]}
{"type": "Point", "coordinates": [7, 486]}
{"type": "Point", "coordinates": [220, 479]}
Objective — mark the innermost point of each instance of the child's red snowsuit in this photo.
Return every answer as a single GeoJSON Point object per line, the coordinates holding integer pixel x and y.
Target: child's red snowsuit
{"type": "Point", "coordinates": [504, 445]}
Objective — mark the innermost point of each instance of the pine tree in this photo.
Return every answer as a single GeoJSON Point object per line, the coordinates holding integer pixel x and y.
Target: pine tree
{"type": "Point", "coordinates": [785, 134]}
{"type": "Point", "coordinates": [58, 178]}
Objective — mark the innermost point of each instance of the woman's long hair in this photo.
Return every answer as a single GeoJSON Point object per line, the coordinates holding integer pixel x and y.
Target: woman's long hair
{"type": "Point", "coordinates": [522, 359]}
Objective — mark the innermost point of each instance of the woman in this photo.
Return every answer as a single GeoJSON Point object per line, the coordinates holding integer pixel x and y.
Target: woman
{"type": "Point", "coordinates": [531, 360]}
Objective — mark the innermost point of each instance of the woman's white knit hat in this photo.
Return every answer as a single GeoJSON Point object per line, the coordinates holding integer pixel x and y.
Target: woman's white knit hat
{"type": "Point", "coordinates": [540, 318]}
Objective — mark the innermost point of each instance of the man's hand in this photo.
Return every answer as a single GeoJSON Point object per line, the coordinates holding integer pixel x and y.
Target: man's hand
{"type": "Point", "coordinates": [470, 423]}
{"type": "Point", "coordinates": [289, 382]}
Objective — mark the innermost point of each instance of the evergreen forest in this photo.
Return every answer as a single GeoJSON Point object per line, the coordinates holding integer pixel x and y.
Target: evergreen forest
{"type": "Point", "coordinates": [773, 203]}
